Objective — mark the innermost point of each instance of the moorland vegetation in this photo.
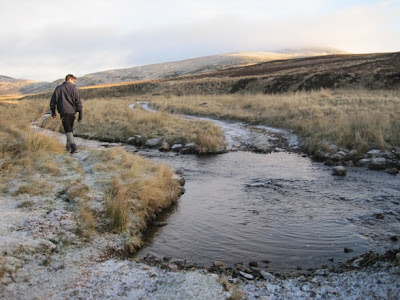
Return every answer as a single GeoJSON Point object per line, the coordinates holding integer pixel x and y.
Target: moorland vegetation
{"type": "Point", "coordinates": [34, 165]}
{"type": "Point", "coordinates": [352, 119]}
{"type": "Point", "coordinates": [114, 195]}
{"type": "Point", "coordinates": [119, 119]}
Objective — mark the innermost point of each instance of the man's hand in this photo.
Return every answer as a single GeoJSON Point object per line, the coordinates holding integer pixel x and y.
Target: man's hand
{"type": "Point", "coordinates": [80, 117]}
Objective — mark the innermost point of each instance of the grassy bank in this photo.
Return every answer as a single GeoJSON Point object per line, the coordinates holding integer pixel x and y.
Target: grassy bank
{"type": "Point", "coordinates": [352, 119]}
{"type": "Point", "coordinates": [115, 192]}
{"type": "Point", "coordinates": [137, 192]}
{"type": "Point", "coordinates": [23, 149]}
{"type": "Point", "coordinates": [112, 119]}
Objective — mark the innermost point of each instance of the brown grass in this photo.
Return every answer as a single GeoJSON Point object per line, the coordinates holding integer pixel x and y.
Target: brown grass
{"type": "Point", "coordinates": [138, 192]}
{"type": "Point", "coordinates": [77, 191]}
{"type": "Point", "coordinates": [3, 268]}
{"type": "Point", "coordinates": [135, 189]}
{"type": "Point", "coordinates": [353, 119]}
{"type": "Point", "coordinates": [117, 208]}
{"type": "Point", "coordinates": [86, 220]}
{"type": "Point", "coordinates": [110, 119]}
{"type": "Point", "coordinates": [236, 293]}
{"type": "Point", "coordinates": [119, 123]}
{"type": "Point", "coordinates": [33, 187]}
{"type": "Point", "coordinates": [25, 150]}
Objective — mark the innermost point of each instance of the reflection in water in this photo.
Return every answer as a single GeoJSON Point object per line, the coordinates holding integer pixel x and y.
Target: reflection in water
{"type": "Point", "coordinates": [281, 207]}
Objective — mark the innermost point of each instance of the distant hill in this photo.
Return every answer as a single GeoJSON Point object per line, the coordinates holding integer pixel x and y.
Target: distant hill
{"type": "Point", "coordinates": [12, 86]}
{"type": "Point", "coordinates": [369, 71]}
{"type": "Point", "coordinates": [6, 79]}
{"type": "Point", "coordinates": [201, 65]}
{"type": "Point", "coordinates": [351, 71]}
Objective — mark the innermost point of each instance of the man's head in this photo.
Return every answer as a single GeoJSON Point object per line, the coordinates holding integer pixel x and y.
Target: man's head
{"type": "Point", "coordinates": [71, 78]}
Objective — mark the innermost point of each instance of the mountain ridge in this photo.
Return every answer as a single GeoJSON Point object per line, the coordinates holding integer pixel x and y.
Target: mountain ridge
{"type": "Point", "coordinates": [192, 66]}
{"type": "Point", "coordinates": [372, 71]}
{"type": "Point", "coordinates": [198, 65]}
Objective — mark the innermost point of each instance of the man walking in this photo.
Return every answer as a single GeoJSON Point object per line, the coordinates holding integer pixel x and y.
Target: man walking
{"type": "Point", "coordinates": [68, 102]}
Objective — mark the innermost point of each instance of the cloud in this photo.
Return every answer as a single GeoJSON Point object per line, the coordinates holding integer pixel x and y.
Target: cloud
{"type": "Point", "coordinates": [46, 39]}
{"type": "Point", "coordinates": [358, 30]}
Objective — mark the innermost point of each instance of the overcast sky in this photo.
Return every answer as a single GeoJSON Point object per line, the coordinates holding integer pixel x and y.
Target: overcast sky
{"type": "Point", "coordinates": [46, 39]}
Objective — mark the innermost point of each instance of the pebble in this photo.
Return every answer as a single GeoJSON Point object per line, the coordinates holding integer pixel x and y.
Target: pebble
{"type": "Point", "coordinates": [246, 275]}
{"type": "Point", "coordinates": [357, 262]}
{"type": "Point", "coordinates": [153, 273]}
{"type": "Point", "coordinates": [256, 271]}
{"type": "Point", "coordinates": [326, 289]}
{"type": "Point", "coordinates": [339, 171]}
{"type": "Point", "coordinates": [379, 216]}
{"type": "Point", "coordinates": [392, 171]}
{"type": "Point", "coordinates": [374, 152]}
{"type": "Point", "coordinates": [167, 258]}
{"type": "Point", "coordinates": [315, 280]}
{"type": "Point", "coordinates": [306, 288]}
{"type": "Point", "coordinates": [322, 272]}
{"type": "Point", "coordinates": [267, 275]}
{"type": "Point", "coordinates": [217, 263]}
{"type": "Point", "coordinates": [266, 261]}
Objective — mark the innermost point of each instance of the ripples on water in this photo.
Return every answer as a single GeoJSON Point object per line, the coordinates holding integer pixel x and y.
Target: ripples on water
{"type": "Point", "coordinates": [281, 207]}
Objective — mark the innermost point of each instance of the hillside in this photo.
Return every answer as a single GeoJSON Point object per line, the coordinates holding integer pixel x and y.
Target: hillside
{"type": "Point", "coordinates": [201, 65]}
{"type": "Point", "coordinates": [368, 71]}
{"type": "Point", "coordinates": [12, 86]}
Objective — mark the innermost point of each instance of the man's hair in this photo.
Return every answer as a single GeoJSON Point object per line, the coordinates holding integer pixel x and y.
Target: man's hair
{"type": "Point", "coordinates": [69, 76]}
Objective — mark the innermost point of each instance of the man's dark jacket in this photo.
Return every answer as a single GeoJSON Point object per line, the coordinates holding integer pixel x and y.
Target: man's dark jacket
{"type": "Point", "coordinates": [67, 100]}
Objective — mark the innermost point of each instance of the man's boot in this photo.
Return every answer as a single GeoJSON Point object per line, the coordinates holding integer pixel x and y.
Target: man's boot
{"type": "Point", "coordinates": [73, 148]}
{"type": "Point", "coordinates": [68, 147]}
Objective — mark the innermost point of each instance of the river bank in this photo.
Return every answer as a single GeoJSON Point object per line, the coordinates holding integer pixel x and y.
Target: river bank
{"type": "Point", "coordinates": [44, 254]}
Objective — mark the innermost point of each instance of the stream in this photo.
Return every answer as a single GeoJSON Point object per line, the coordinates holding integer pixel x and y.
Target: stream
{"type": "Point", "coordinates": [278, 209]}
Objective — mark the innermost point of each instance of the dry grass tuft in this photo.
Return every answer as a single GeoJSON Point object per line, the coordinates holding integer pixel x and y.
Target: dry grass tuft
{"type": "Point", "coordinates": [77, 191]}
{"type": "Point", "coordinates": [3, 268]}
{"type": "Point", "coordinates": [117, 209]}
{"type": "Point", "coordinates": [33, 188]}
{"type": "Point", "coordinates": [86, 220]}
{"type": "Point", "coordinates": [138, 191]}
{"type": "Point", "coordinates": [208, 141]}
{"type": "Point", "coordinates": [236, 293]}
{"type": "Point", "coordinates": [25, 151]}
{"type": "Point", "coordinates": [23, 145]}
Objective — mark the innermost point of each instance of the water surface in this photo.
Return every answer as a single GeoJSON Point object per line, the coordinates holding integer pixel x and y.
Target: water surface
{"type": "Point", "coordinates": [280, 207]}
